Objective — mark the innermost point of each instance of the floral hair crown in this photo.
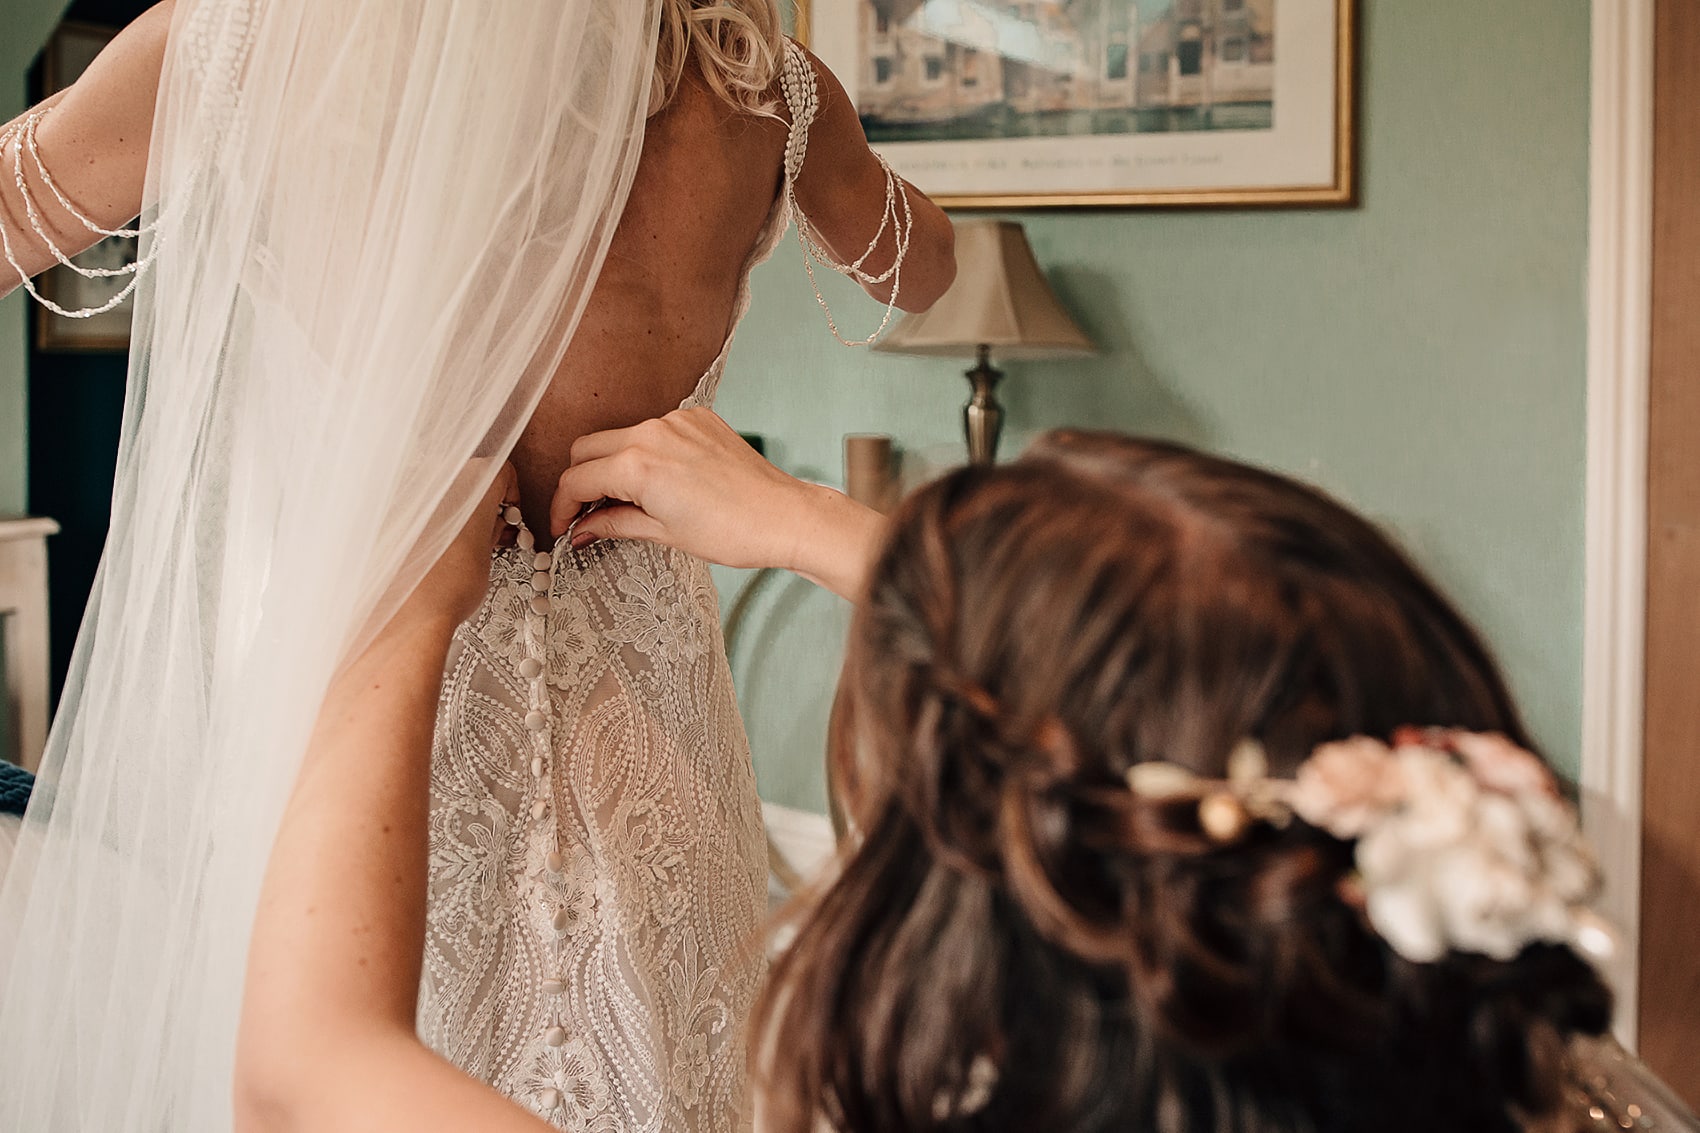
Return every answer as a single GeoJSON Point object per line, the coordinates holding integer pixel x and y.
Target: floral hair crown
{"type": "Point", "coordinates": [1462, 840]}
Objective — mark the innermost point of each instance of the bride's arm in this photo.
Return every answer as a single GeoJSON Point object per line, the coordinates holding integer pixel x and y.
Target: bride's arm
{"type": "Point", "coordinates": [327, 1038]}
{"type": "Point", "coordinates": [94, 142]}
{"type": "Point", "coordinates": [841, 190]}
{"type": "Point", "coordinates": [693, 483]}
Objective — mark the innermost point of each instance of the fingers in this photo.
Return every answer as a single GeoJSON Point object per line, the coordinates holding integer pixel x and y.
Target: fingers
{"type": "Point", "coordinates": [494, 480]}
{"type": "Point", "coordinates": [619, 477]}
{"type": "Point", "coordinates": [644, 464]}
{"type": "Point", "coordinates": [500, 490]}
{"type": "Point", "coordinates": [597, 446]}
{"type": "Point", "coordinates": [659, 434]}
{"type": "Point", "coordinates": [504, 493]}
{"type": "Point", "coordinates": [618, 521]}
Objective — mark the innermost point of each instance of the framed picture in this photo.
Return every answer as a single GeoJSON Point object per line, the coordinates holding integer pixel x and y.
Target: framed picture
{"type": "Point", "coordinates": [1093, 103]}
{"type": "Point", "coordinates": [70, 51]}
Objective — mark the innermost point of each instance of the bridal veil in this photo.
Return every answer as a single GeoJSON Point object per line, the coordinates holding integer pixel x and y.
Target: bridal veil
{"type": "Point", "coordinates": [377, 226]}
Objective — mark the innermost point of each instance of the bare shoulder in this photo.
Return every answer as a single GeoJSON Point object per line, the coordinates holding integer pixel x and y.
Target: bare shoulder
{"type": "Point", "coordinates": [843, 190]}
{"type": "Point", "coordinates": [830, 89]}
{"type": "Point", "coordinates": [838, 151]}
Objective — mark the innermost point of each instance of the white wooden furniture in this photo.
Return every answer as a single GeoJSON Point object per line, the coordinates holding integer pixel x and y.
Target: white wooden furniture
{"type": "Point", "coordinates": [23, 619]}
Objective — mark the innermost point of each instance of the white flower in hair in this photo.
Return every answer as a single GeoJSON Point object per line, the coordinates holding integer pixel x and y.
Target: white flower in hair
{"type": "Point", "coordinates": [1463, 842]}
{"type": "Point", "coordinates": [1344, 787]}
{"type": "Point", "coordinates": [1500, 765]}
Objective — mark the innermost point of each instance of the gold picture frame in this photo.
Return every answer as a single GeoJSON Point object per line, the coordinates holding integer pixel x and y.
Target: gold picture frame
{"type": "Point", "coordinates": [70, 50]}
{"type": "Point", "coordinates": [1338, 190]}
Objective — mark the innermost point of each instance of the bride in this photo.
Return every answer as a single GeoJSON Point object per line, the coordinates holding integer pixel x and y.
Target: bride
{"type": "Point", "coordinates": [598, 861]}
{"type": "Point", "coordinates": [379, 242]}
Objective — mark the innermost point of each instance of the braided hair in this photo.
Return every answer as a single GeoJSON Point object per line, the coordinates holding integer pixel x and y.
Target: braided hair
{"type": "Point", "coordinates": [1017, 941]}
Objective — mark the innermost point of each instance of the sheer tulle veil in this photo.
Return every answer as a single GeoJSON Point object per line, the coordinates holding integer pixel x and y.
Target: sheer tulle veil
{"type": "Point", "coordinates": [378, 226]}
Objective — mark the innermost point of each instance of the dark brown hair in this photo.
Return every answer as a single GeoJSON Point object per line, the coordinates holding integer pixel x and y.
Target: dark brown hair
{"type": "Point", "coordinates": [1018, 942]}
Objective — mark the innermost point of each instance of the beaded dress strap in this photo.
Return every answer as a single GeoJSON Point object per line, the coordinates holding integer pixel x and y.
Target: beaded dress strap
{"type": "Point", "coordinates": [802, 97]}
{"type": "Point", "coordinates": [797, 80]}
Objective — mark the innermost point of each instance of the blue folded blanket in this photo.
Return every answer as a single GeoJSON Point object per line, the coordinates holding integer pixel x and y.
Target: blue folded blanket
{"type": "Point", "coordinates": [15, 787]}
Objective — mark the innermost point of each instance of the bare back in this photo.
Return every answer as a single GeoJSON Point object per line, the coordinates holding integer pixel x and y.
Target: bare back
{"type": "Point", "coordinates": [708, 183]}
{"type": "Point", "coordinates": [705, 193]}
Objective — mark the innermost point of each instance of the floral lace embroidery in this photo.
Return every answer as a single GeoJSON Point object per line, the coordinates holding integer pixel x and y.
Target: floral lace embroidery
{"type": "Point", "coordinates": [610, 900]}
{"type": "Point", "coordinates": [592, 946]}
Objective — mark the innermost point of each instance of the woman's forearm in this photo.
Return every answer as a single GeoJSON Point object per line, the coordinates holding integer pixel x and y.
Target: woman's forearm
{"type": "Point", "coordinates": [336, 946]}
{"type": "Point", "coordinates": [343, 902]}
{"type": "Point", "coordinates": [692, 483]}
{"type": "Point", "coordinates": [327, 1036]}
{"type": "Point", "coordinates": [836, 541]}
{"type": "Point", "coordinates": [93, 140]}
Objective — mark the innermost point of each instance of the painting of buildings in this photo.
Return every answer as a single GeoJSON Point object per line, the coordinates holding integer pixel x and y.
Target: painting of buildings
{"type": "Point", "coordinates": [948, 69]}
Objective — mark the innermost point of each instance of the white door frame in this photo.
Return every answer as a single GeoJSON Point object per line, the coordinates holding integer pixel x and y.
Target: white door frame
{"type": "Point", "coordinates": [1615, 586]}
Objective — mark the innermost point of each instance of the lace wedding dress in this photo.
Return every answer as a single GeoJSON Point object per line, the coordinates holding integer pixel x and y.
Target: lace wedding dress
{"type": "Point", "coordinates": [373, 229]}
{"type": "Point", "coordinates": [598, 862]}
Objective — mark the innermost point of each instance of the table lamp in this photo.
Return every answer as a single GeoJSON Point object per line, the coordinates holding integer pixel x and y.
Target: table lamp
{"type": "Point", "coordinates": [1000, 301]}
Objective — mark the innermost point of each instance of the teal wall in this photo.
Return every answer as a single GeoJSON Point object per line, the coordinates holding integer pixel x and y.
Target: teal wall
{"type": "Point", "coordinates": [14, 349]}
{"type": "Point", "coordinates": [13, 366]}
{"type": "Point", "coordinates": [27, 25]}
{"type": "Point", "coordinates": [1421, 356]}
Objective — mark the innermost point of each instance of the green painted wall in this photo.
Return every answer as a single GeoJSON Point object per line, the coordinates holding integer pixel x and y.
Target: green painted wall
{"type": "Point", "coordinates": [28, 24]}
{"type": "Point", "coordinates": [1421, 356]}
{"type": "Point", "coordinates": [14, 353]}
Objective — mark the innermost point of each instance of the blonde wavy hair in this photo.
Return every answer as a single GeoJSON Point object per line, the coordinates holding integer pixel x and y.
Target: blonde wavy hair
{"type": "Point", "coordinates": [737, 44]}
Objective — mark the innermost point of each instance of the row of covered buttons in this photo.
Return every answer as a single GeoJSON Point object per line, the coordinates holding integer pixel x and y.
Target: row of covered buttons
{"type": "Point", "coordinates": [532, 668]}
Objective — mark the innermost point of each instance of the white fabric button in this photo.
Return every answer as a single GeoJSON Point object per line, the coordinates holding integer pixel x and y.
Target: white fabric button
{"type": "Point", "coordinates": [526, 539]}
{"type": "Point", "coordinates": [550, 1100]}
{"type": "Point", "coordinates": [536, 721]}
{"type": "Point", "coordinates": [554, 986]}
{"type": "Point", "coordinates": [555, 861]}
{"type": "Point", "coordinates": [563, 920]}
{"type": "Point", "coordinates": [531, 668]}
{"type": "Point", "coordinates": [543, 561]}
{"type": "Point", "coordinates": [555, 1036]}
{"type": "Point", "coordinates": [513, 515]}
{"type": "Point", "coordinates": [539, 809]}
{"type": "Point", "coordinates": [540, 582]}
{"type": "Point", "coordinates": [537, 767]}
{"type": "Point", "coordinates": [540, 604]}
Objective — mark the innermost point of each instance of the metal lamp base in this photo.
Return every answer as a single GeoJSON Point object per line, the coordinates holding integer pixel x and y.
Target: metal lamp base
{"type": "Point", "coordinates": [982, 417]}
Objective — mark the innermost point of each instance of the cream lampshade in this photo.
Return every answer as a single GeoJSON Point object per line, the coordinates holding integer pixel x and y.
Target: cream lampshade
{"type": "Point", "coordinates": [1000, 301]}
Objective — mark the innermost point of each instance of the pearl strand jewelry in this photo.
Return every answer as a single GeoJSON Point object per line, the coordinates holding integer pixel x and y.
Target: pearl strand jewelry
{"type": "Point", "coordinates": [30, 142]}
{"type": "Point", "coordinates": [218, 42]}
{"type": "Point", "coordinates": [21, 137]}
{"type": "Point", "coordinates": [802, 94]}
{"type": "Point", "coordinates": [813, 253]}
